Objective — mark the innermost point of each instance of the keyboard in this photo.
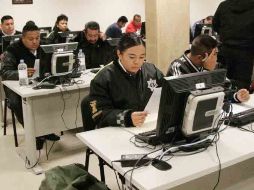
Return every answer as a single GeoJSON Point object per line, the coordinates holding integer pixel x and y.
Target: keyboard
{"type": "Point", "coordinates": [149, 137]}
{"type": "Point", "coordinates": [241, 118]}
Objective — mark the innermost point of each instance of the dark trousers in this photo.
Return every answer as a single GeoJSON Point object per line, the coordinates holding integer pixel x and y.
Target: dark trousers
{"type": "Point", "coordinates": [15, 104]}
{"type": "Point", "coordinates": [239, 65]}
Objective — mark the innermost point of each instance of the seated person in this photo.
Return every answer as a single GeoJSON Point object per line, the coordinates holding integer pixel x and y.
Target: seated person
{"type": "Point", "coordinates": [7, 28]}
{"type": "Point", "coordinates": [61, 25]}
{"type": "Point", "coordinates": [135, 25]}
{"type": "Point", "coordinates": [202, 56]}
{"type": "Point", "coordinates": [115, 29]}
{"type": "Point", "coordinates": [207, 20]}
{"type": "Point", "coordinates": [97, 52]}
{"type": "Point", "coordinates": [121, 90]}
{"type": "Point", "coordinates": [27, 48]}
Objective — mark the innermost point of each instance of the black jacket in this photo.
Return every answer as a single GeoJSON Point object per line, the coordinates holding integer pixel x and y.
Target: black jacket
{"type": "Point", "coordinates": [12, 56]}
{"type": "Point", "coordinates": [234, 22]}
{"type": "Point", "coordinates": [182, 65]}
{"type": "Point", "coordinates": [115, 94]}
{"type": "Point", "coordinates": [100, 53]}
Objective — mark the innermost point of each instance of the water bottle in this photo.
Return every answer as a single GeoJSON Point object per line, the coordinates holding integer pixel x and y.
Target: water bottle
{"type": "Point", "coordinates": [82, 60]}
{"type": "Point", "coordinates": [23, 77]}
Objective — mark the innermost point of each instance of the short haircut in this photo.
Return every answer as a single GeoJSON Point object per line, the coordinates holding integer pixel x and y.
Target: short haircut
{"type": "Point", "coordinates": [203, 44]}
{"type": "Point", "coordinates": [92, 25]}
{"type": "Point", "coordinates": [6, 17]}
{"type": "Point", "coordinates": [129, 40]}
{"type": "Point", "coordinates": [209, 18]}
{"type": "Point", "coordinates": [136, 15]}
{"type": "Point", "coordinates": [122, 19]}
{"type": "Point", "coordinates": [30, 26]}
{"type": "Point", "coordinates": [61, 17]}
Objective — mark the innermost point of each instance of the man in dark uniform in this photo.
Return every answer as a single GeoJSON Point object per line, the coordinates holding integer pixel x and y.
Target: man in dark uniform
{"type": "Point", "coordinates": [27, 48]}
{"type": "Point", "coordinates": [202, 56]}
{"type": "Point", "coordinates": [97, 52]}
{"type": "Point", "coordinates": [234, 22]}
{"type": "Point", "coordinates": [7, 28]}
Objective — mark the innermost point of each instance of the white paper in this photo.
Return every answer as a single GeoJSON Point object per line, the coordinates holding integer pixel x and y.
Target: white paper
{"type": "Point", "coordinates": [152, 106]}
{"type": "Point", "coordinates": [36, 68]}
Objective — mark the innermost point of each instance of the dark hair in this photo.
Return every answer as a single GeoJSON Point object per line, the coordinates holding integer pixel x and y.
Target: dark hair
{"type": "Point", "coordinates": [136, 15]}
{"type": "Point", "coordinates": [203, 44]}
{"type": "Point", "coordinates": [209, 18]}
{"type": "Point", "coordinates": [58, 19]}
{"type": "Point", "coordinates": [92, 25]}
{"type": "Point", "coordinates": [30, 22]}
{"type": "Point", "coordinates": [30, 26]}
{"type": "Point", "coordinates": [122, 19]}
{"type": "Point", "coordinates": [129, 40]}
{"type": "Point", "coordinates": [6, 17]}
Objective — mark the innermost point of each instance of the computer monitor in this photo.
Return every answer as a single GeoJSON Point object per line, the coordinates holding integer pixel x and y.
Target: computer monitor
{"type": "Point", "coordinates": [61, 57]}
{"type": "Point", "coordinates": [44, 31]}
{"type": "Point", "coordinates": [68, 35]}
{"type": "Point", "coordinates": [113, 41]}
{"type": "Point", "coordinates": [203, 29]}
{"type": "Point", "coordinates": [182, 99]}
{"type": "Point", "coordinates": [7, 40]}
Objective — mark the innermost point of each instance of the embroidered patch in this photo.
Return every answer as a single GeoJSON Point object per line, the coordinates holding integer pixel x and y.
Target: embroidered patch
{"type": "Point", "coordinates": [152, 84]}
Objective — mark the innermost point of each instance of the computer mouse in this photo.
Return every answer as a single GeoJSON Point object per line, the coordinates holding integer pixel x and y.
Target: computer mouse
{"type": "Point", "coordinates": [161, 165]}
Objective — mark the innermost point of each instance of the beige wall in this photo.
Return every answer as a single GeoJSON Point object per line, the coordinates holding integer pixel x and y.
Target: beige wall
{"type": "Point", "coordinates": [167, 30]}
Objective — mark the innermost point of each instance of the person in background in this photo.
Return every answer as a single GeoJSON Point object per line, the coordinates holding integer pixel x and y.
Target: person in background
{"type": "Point", "coordinates": [121, 90]}
{"type": "Point", "coordinates": [27, 48]}
{"type": "Point", "coordinates": [202, 57]}
{"type": "Point", "coordinates": [234, 22]}
{"type": "Point", "coordinates": [7, 28]}
{"type": "Point", "coordinates": [115, 29]}
{"type": "Point", "coordinates": [97, 52]}
{"type": "Point", "coordinates": [207, 20]}
{"type": "Point", "coordinates": [61, 25]}
{"type": "Point", "coordinates": [135, 25]}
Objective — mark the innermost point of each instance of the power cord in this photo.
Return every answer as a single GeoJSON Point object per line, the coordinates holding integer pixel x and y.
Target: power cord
{"type": "Point", "coordinates": [26, 161]}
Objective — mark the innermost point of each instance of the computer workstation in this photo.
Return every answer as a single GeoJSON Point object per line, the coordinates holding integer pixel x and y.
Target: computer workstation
{"type": "Point", "coordinates": [59, 59]}
{"type": "Point", "coordinates": [189, 107]}
{"type": "Point", "coordinates": [7, 40]}
{"type": "Point", "coordinates": [68, 36]}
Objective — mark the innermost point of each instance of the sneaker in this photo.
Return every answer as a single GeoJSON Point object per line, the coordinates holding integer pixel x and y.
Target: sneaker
{"type": "Point", "coordinates": [52, 137]}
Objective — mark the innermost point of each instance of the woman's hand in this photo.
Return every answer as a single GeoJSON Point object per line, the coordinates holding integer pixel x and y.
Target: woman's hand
{"type": "Point", "coordinates": [138, 118]}
{"type": "Point", "coordinates": [243, 95]}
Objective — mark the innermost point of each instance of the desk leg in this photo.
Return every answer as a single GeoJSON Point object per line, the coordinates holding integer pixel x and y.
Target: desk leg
{"type": "Point", "coordinates": [32, 157]}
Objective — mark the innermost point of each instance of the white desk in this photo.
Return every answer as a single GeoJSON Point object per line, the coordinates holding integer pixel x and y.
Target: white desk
{"type": "Point", "coordinates": [110, 143]}
{"type": "Point", "coordinates": [42, 111]}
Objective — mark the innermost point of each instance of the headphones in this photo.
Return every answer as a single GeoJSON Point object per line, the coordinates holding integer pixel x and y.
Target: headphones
{"type": "Point", "coordinates": [205, 58]}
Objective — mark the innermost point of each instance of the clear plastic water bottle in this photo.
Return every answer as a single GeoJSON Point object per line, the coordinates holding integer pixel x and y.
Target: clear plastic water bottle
{"type": "Point", "coordinates": [82, 60]}
{"type": "Point", "coordinates": [23, 77]}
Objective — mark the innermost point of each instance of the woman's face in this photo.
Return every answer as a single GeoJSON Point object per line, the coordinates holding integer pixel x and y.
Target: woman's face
{"type": "Point", "coordinates": [132, 58]}
{"type": "Point", "coordinates": [62, 25]}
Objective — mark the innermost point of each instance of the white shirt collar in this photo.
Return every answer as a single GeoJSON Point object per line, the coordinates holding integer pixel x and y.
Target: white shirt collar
{"type": "Point", "coordinates": [14, 31]}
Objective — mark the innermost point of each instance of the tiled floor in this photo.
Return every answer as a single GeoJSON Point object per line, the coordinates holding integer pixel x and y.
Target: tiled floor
{"type": "Point", "coordinates": [14, 176]}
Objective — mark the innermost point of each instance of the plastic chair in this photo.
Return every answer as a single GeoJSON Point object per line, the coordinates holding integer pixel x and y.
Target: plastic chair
{"type": "Point", "coordinates": [89, 124]}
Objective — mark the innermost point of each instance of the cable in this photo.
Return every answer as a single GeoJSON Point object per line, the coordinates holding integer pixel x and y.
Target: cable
{"type": "Point", "coordinates": [219, 174]}
{"type": "Point", "coordinates": [78, 102]}
{"type": "Point", "coordinates": [47, 152]}
{"type": "Point", "coordinates": [35, 162]}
